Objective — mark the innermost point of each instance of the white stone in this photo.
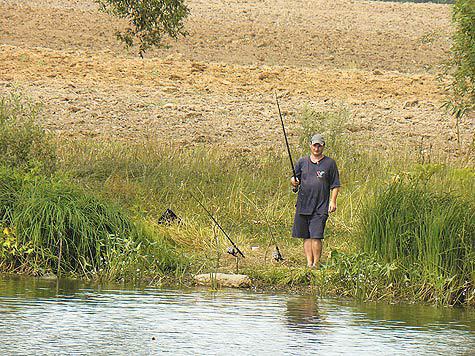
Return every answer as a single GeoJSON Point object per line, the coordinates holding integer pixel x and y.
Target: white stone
{"type": "Point", "coordinates": [224, 280]}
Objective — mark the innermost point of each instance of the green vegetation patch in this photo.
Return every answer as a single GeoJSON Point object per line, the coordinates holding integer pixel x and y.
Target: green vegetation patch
{"type": "Point", "coordinates": [427, 228]}
{"type": "Point", "coordinates": [50, 226]}
{"type": "Point", "coordinates": [23, 142]}
{"type": "Point", "coordinates": [95, 213]}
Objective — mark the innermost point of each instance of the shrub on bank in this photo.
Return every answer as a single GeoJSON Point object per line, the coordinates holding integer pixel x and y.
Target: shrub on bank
{"type": "Point", "coordinates": [24, 143]}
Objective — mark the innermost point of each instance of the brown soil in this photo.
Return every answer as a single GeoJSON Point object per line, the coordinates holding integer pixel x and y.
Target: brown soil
{"type": "Point", "coordinates": [378, 60]}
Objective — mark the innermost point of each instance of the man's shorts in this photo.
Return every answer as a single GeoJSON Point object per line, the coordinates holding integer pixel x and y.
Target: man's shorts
{"type": "Point", "coordinates": [309, 226]}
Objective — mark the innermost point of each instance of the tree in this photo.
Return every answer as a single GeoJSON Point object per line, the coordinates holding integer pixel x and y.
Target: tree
{"type": "Point", "coordinates": [149, 20]}
{"type": "Point", "coordinates": [462, 61]}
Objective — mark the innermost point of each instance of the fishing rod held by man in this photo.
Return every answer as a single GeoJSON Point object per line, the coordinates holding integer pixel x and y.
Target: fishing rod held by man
{"type": "Point", "coordinates": [295, 188]}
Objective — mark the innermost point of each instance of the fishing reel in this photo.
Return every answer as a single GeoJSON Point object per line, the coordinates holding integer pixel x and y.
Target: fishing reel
{"type": "Point", "coordinates": [276, 255]}
{"type": "Point", "coordinates": [232, 251]}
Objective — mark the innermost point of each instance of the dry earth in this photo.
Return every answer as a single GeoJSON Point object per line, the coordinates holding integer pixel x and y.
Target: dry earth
{"type": "Point", "coordinates": [378, 60]}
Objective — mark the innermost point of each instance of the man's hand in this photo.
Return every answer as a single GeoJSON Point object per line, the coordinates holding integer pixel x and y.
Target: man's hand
{"type": "Point", "coordinates": [295, 182]}
{"type": "Point", "coordinates": [332, 207]}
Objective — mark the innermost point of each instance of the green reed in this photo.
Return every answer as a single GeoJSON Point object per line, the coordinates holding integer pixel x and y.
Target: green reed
{"type": "Point", "coordinates": [429, 228]}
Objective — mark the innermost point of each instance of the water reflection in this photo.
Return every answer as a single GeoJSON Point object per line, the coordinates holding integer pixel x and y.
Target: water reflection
{"type": "Point", "coordinates": [77, 318]}
{"type": "Point", "coordinates": [303, 312]}
{"type": "Point", "coordinates": [415, 315]}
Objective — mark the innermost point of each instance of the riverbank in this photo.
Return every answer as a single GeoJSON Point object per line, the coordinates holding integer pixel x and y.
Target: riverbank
{"type": "Point", "coordinates": [97, 144]}
{"type": "Point", "coordinates": [92, 209]}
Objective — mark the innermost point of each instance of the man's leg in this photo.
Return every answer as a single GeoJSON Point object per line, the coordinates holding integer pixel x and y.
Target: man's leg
{"type": "Point", "coordinates": [317, 246]}
{"type": "Point", "coordinates": [316, 229]}
{"type": "Point", "coordinates": [307, 248]}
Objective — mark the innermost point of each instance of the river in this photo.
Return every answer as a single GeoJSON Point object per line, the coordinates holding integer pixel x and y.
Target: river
{"type": "Point", "coordinates": [70, 317]}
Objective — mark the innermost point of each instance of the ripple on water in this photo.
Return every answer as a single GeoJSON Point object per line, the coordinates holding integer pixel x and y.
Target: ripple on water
{"type": "Point", "coordinates": [38, 318]}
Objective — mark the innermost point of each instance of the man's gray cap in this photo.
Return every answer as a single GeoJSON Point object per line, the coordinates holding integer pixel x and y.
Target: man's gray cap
{"type": "Point", "coordinates": [317, 138]}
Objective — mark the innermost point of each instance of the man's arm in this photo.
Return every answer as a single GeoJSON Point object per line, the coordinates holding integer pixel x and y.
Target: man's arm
{"type": "Point", "coordinates": [333, 195]}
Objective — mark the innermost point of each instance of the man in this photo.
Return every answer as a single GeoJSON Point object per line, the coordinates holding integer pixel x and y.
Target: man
{"type": "Point", "coordinates": [319, 183]}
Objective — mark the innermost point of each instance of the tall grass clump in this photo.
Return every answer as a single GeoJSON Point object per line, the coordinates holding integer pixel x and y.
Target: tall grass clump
{"type": "Point", "coordinates": [333, 125]}
{"type": "Point", "coordinates": [462, 61]}
{"type": "Point", "coordinates": [24, 143]}
{"type": "Point", "coordinates": [10, 185]}
{"type": "Point", "coordinates": [429, 231]}
{"type": "Point", "coordinates": [60, 228]}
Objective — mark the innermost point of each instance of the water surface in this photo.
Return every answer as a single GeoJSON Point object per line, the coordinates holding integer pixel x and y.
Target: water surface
{"type": "Point", "coordinates": [69, 317]}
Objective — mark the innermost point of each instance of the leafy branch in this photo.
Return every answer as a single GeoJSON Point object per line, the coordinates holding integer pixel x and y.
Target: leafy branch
{"type": "Point", "coordinates": [149, 20]}
{"type": "Point", "coordinates": [462, 98]}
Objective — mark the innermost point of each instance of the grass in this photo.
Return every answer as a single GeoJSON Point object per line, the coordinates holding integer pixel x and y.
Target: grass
{"type": "Point", "coordinates": [239, 191]}
{"type": "Point", "coordinates": [255, 207]}
{"type": "Point", "coordinates": [51, 226]}
{"type": "Point", "coordinates": [427, 227]}
{"type": "Point", "coordinates": [23, 142]}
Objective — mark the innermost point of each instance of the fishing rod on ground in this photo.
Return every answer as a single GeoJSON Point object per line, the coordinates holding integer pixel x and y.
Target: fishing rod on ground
{"type": "Point", "coordinates": [276, 254]}
{"type": "Point", "coordinates": [294, 189]}
{"type": "Point", "coordinates": [232, 250]}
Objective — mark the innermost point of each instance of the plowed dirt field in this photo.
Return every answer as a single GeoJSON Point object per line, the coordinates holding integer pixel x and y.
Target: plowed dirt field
{"type": "Point", "coordinates": [380, 61]}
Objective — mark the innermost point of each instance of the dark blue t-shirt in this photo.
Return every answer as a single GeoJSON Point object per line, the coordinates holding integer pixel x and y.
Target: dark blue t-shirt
{"type": "Point", "coordinates": [316, 181]}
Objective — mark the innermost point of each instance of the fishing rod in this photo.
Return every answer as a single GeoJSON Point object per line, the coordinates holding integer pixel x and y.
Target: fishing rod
{"type": "Point", "coordinates": [230, 249]}
{"type": "Point", "coordinates": [294, 189]}
{"type": "Point", "coordinates": [276, 255]}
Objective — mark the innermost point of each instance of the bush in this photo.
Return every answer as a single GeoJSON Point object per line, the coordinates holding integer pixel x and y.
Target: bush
{"type": "Point", "coordinates": [149, 20]}
{"type": "Point", "coordinates": [24, 143]}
